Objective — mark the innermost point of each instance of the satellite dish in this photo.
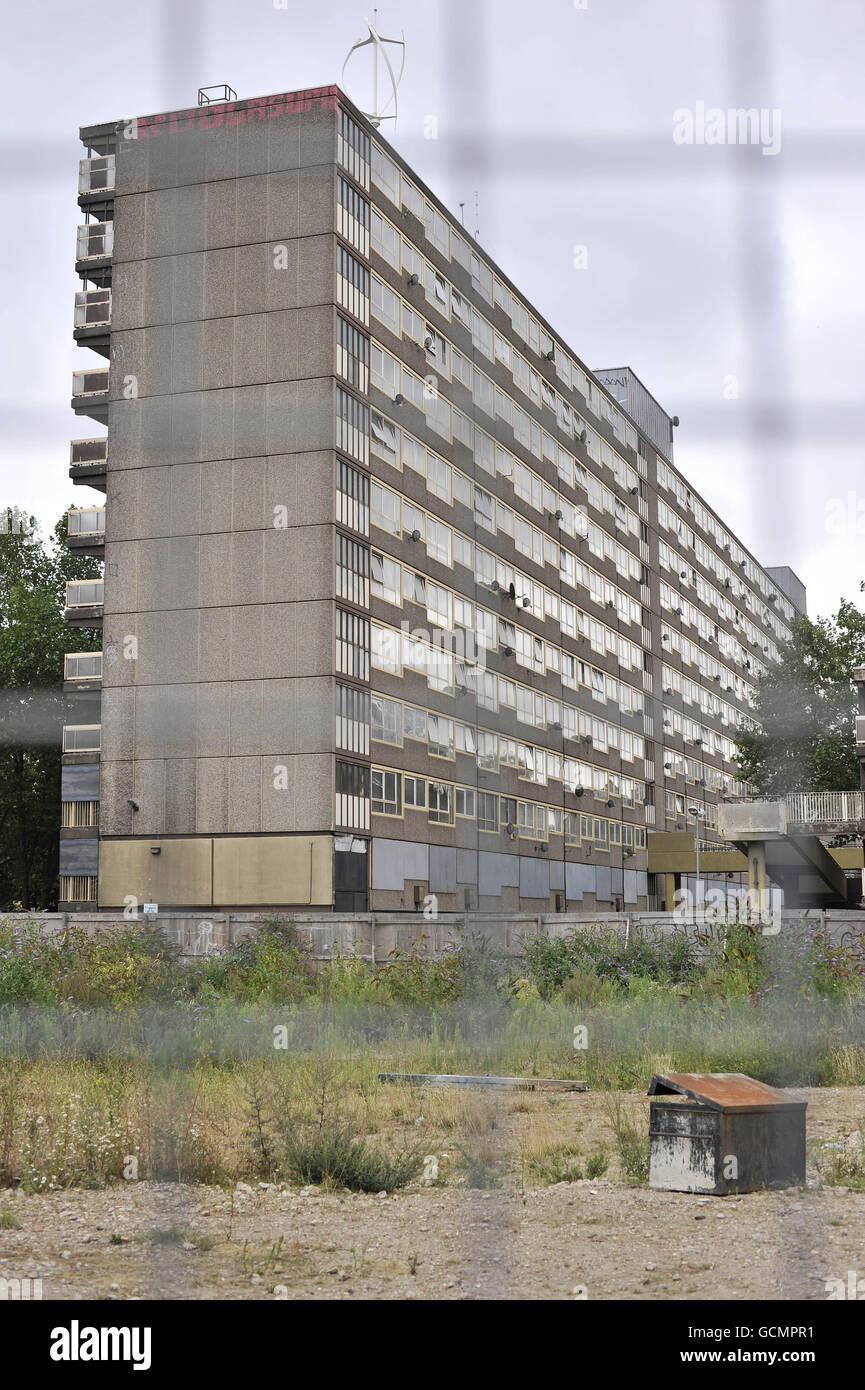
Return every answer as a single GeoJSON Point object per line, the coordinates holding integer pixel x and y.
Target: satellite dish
{"type": "Point", "coordinates": [380, 112]}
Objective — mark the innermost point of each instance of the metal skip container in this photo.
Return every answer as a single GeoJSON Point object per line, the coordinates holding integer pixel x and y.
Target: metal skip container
{"type": "Point", "coordinates": [722, 1132]}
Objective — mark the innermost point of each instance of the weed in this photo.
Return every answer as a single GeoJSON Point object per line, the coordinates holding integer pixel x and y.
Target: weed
{"type": "Point", "coordinates": [597, 1164]}
{"type": "Point", "coordinates": [331, 1156]}
{"type": "Point", "coordinates": [631, 1140]}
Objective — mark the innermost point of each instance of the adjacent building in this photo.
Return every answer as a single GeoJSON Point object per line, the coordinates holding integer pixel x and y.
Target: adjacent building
{"type": "Point", "coordinates": [400, 598]}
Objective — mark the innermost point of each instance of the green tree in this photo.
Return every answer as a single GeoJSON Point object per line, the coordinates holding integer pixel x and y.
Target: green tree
{"type": "Point", "coordinates": [806, 707]}
{"type": "Point", "coordinates": [33, 640]}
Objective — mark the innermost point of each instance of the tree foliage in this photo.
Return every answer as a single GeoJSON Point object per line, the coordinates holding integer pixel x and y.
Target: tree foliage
{"type": "Point", "coordinates": [33, 640]}
{"type": "Point", "coordinates": [806, 708]}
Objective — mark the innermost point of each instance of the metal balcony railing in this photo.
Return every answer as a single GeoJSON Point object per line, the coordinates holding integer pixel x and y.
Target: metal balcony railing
{"type": "Point", "coordinates": [82, 666]}
{"type": "Point", "coordinates": [93, 383]}
{"type": "Point", "coordinates": [85, 521]}
{"type": "Point", "coordinates": [824, 808]}
{"type": "Point", "coordinates": [82, 738]}
{"type": "Point", "coordinates": [96, 175]}
{"type": "Point", "coordinates": [93, 309]}
{"type": "Point", "coordinates": [84, 593]}
{"type": "Point", "coordinates": [95, 241]}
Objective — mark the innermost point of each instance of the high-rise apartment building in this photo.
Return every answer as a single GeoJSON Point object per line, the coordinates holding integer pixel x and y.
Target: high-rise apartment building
{"type": "Point", "coordinates": [400, 598]}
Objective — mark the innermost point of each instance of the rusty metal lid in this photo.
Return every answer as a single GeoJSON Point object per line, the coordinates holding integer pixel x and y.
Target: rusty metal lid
{"type": "Point", "coordinates": [728, 1091]}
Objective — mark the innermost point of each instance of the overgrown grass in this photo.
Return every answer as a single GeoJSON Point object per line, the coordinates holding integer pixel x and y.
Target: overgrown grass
{"type": "Point", "coordinates": [841, 1162]}
{"type": "Point", "coordinates": [133, 966]}
{"type": "Point", "coordinates": [117, 1059]}
{"type": "Point", "coordinates": [334, 1157]}
{"type": "Point", "coordinates": [631, 1140]}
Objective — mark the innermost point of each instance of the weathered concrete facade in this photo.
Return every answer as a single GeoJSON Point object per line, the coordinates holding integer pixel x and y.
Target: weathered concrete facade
{"type": "Point", "coordinates": [332, 423]}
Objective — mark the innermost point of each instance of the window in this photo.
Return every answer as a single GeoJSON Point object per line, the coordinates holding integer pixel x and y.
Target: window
{"type": "Point", "coordinates": [352, 216]}
{"type": "Point", "coordinates": [352, 719]}
{"type": "Point", "coordinates": [502, 296]}
{"type": "Point", "coordinates": [414, 792]}
{"type": "Point", "coordinates": [352, 571]}
{"type": "Point", "coordinates": [386, 793]}
{"type": "Point", "coordinates": [439, 477]}
{"type": "Point", "coordinates": [482, 277]}
{"type": "Point", "coordinates": [484, 510]}
{"type": "Point", "coordinates": [385, 577]}
{"type": "Point", "coordinates": [412, 199]}
{"type": "Point", "coordinates": [462, 309]}
{"type": "Point", "coordinates": [488, 811]}
{"type": "Point", "coordinates": [440, 736]}
{"type": "Point", "coordinates": [441, 803]}
{"type": "Point", "coordinates": [520, 320]}
{"type": "Point", "coordinates": [526, 821]}
{"type": "Point", "coordinates": [385, 305]}
{"type": "Point", "coordinates": [385, 174]}
{"type": "Point", "coordinates": [352, 284]}
{"type": "Point", "coordinates": [352, 498]}
{"type": "Point", "coordinates": [438, 411]}
{"type": "Point", "coordinates": [415, 723]}
{"type": "Point", "coordinates": [385, 649]}
{"type": "Point", "coordinates": [385, 239]}
{"type": "Point", "coordinates": [482, 335]}
{"type": "Point", "coordinates": [437, 291]}
{"type": "Point", "coordinates": [437, 349]}
{"type": "Point", "coordinates": [352, 795]}
{"type": "Point", "coordinates": [352, 645]}
{"type": "Point", "coordinates": [412, 324]}
{"type": "Point", "coordinates": [352, 426]}
{"type": "Point", "coordinates": [460, 250]}
{"type": "Point", "coordinates": [465, 802]}
{"type": "Point", "coordinates": [385, 509]}
{"type": "Point", "coordinates": [353, 149]}
{"type": "Point", "coordinates": [82, 593]}
{"type": "Point", "coordinates": [437, 230]}
{"type": "Point", "coordinates": [439, 541]}
{"type": "Point", "coordinates": [384, 437]}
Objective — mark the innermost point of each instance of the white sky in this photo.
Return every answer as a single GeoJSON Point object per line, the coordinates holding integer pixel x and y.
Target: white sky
{"type": "Point", "coordinates": [704, 263]}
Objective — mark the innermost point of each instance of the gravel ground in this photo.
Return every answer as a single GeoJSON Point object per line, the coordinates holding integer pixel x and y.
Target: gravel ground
{"type": "Point", "coordinates": [600, 1239]}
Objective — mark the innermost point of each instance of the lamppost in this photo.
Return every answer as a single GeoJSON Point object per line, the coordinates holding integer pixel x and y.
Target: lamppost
{"type": "Point", "coordinates": [699, 813]}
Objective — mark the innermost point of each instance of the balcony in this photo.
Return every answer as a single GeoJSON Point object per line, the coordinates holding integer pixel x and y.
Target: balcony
{"type": "Point", "coordinates": [827, 812]}
{"type": "Point", "coordinates": [76, 890]}
{"type": "Point", "coordinates": [93, 319]}
{"type": "Point", "coordinates": [93, 252]}
{"type": "Point", "coordinates": [85, 530]}
{"type": "Point", "coordinates": [82, 738]}
{"type": "Point", "coordinates": [84, 602]}
{"type": "Point", "coordinates": [96, 184]}
{"type": "Point", "coordinates": [82, 671]}
{"type": "Point", "coordinates": [88, 461]}
{"type": "Point", "coordinates": [90, 394]}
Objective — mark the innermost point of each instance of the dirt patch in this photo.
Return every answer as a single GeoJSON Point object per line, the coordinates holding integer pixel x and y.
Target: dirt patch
{"type": "Point", "coordinates": [613, 1240]}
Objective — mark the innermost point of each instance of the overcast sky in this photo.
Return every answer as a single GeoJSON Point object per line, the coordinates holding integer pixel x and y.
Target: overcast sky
{"type": "Point", "coordinates": [729, 279]}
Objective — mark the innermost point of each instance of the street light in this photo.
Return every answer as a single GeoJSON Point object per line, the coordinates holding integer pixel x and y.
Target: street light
{"type": "Point", "coordinates": [699, 813]}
